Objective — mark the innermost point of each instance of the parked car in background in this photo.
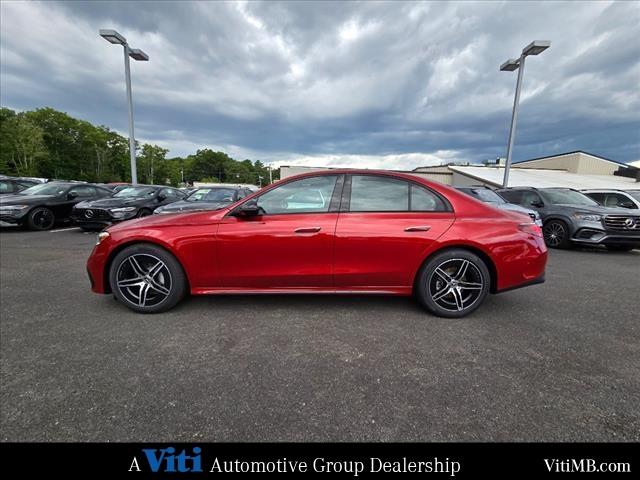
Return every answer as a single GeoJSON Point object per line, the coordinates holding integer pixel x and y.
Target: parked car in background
{"type": "Point", "coordinates": [339, 231]}
{"type": "Point", "coordinates": [615, 198]}
{"type": "Point", "coordinates": [209, 198]}
{"type": "Point", "coordinates": [42, 206]}
{"type": "Point", "coordinates": [487, 195]}
{"type": "Point", "coordinates": [131, 202]}
{"type": "Point", "coordinates": [9, 185]}
{"type": "Point", "coordinates": [570, 217]}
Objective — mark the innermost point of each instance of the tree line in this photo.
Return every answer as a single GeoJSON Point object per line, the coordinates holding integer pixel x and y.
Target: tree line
{"type": "Point", "coordinates": [51, 144]}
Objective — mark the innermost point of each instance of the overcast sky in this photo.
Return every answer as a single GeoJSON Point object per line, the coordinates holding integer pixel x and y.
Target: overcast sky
{"type": "Point", "coordinates": [372, 84]}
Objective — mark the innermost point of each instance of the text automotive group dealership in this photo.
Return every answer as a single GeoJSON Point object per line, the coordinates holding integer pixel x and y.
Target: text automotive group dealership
{"type": "Point", "coordinates": [579, 170]}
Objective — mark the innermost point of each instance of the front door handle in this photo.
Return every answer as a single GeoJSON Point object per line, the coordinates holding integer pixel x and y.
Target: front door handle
{"type": "Point", "coordinates": [307, 230]}
{"type": "Point", "coordinates": [421, 228]}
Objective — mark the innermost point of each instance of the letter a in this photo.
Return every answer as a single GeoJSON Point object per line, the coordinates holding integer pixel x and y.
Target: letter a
{"type": "Point", "coordinates": [134, 464]}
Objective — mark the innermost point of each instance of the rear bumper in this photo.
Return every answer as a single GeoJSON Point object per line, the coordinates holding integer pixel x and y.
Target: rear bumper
{"type": "Point", "coordinates": [535, 281]}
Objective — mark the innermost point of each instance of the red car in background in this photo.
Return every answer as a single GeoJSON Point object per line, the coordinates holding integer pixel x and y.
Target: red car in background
{"type": "Point", "coordinates": [337, 231]}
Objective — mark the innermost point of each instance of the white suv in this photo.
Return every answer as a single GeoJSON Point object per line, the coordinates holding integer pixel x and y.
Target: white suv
{"type": "Point", "coordinates": [615, 198]}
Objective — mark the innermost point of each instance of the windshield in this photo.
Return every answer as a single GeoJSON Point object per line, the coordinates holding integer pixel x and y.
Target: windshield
{"type": "Point", "coordinates": [634, 193]}
{"type": "Point", "coordinates": [567, 197]}
{"type": "Point", "coordinates": [487, 195]}
{"type": "Point", "coordinates": [45, 189]}
{"type": "Point", "coordinates": [137, 192]}
{"type": "Point", "coordinates": [212, 195]}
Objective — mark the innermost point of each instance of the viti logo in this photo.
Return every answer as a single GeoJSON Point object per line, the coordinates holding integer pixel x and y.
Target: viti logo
{"type": "Point", "coordinates": [166, 460]}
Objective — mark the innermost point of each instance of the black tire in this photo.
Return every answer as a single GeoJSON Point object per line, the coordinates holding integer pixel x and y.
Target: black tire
{"type": "Point", "coordinates": [619, 248]}
{"type": "Point", "coordinates": [40, 218]}
{"type": "Point", "coordinates": [134, 283]}
{"type": "Point", "coordinates": [447, 289]}
{"type": "Point", "coordinates": [144, 212]}
{"type": "Point", "coordinates": [556, 234]}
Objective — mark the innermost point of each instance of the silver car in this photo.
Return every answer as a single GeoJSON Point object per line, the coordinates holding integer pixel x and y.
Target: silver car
{"type": "Point", "coordinates": [485, 194]}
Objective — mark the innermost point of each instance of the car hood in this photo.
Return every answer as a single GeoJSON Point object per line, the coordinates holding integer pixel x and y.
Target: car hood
{"type": "Point", "coordinates": [600, 210]}
{"type": "Point", "coordinates": [24, 199]}
{"type": "Point", "coordinates": [111, 202]}
{"type": "Point", "coordinates": [184, 206]}
{"type": "Point", "coordinates": [186, 218]}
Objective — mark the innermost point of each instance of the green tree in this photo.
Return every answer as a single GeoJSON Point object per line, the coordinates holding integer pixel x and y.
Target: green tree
{"type": "Point", "coordinates": [25, 143]}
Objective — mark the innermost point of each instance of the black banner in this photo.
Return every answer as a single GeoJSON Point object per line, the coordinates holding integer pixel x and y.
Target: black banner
{"type": "Point", "coordinates": [453, 460]}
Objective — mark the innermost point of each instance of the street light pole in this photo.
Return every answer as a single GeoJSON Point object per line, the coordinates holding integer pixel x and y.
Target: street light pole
{"type": "Point", "coordinates": [534, 48]}
{"type": "Point", "coordinates": [132, 138]}
{"type": "Point", "coordinates": [114, 37]}
{"type": "Point", "coordinates": [514, 119]}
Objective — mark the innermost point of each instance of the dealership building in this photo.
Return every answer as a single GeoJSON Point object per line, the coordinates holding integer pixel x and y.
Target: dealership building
{"type": "Point", "coordinates": [573, 169]}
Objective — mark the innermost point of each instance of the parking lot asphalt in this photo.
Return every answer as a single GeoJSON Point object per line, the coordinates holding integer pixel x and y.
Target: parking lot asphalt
{"type": "Point", "coordinates": [553, 362]}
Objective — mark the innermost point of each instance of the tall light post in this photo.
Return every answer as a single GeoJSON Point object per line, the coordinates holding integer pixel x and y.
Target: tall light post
{"type": "Point", "coordinates": [534, 48]}
{"type": "Point", "coordinates": [114, 37]}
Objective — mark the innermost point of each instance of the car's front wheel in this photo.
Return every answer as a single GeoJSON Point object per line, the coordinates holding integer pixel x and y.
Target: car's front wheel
{"type": "Point", "coordinates": [40, 218]}
{"type": "Point", "coordinates": [556, 234]}
{"type": "Point", "coordinates": [147, 278]}
{"type": "Point", "coordinates": [453, 283]}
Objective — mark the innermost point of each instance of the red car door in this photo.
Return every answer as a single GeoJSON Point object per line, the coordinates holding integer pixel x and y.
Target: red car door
{"type": "Point", "coordinates": [288, 245]}
{"type": "Point", "coordinates": [381, 238]}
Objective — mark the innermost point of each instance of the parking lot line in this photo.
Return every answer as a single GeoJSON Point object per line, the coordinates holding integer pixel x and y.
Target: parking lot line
{"type": "Point", "coordinates": [64, 229]}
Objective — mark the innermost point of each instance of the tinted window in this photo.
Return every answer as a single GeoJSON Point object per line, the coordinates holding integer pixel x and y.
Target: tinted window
{"type": "Point", "coordinates": [567, 197]}
{"type": "Point", "coordinates": [6, 186]}
{"type": "Point", "coordinates": [170, 193]}
{"type": "Point", "coordinates": [301, 196]}
{"type": "Point", "coordinates": [137, 192]}
{"type": "Point", "coordinates": [84, 191]}
{"type": "Point", "coordinates": [378, 194]}
{"type": "Point", "coordinates": [422, 200]}
{"type": "Point", "coordinates": [212, 195]}
{"type": "Point", "coordinates": [598, 197]}
{"type": "Point", "coordinates": [513, 196]}
{"type": "Point", "coordinates": [45, 189]}
{"type": "Point", "coordinates": [26, 183]}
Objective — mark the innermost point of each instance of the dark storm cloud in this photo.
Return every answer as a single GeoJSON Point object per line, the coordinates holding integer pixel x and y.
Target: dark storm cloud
{"type": "Point", "coordinates": [370, 84]}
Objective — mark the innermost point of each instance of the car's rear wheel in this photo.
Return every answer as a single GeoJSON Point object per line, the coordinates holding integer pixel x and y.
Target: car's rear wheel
{"type": "Point", "coordinates": [147, 279]}
{"type": "Point", "coordinates": [453, 283]}
{"type": "Point", "coordinates": [40, 218]}
{"type": "Point", "coordinates": [556, 234]}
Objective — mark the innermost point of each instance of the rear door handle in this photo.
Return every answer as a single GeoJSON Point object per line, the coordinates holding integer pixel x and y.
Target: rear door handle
{"type": "Point", "coordinates": [308, 230]}
{"type": "Point", "coordinates": [420, 228]}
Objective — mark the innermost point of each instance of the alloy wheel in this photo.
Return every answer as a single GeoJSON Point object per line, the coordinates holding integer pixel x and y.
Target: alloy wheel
{"type": "Point", "coordinates": [456, 284]}
{"type": "Point", "coordinates": [144, 280]}
{"type": "Point", "coordinates": [43, 218]}
{"type": "Point", "coordinates": [554, 234]}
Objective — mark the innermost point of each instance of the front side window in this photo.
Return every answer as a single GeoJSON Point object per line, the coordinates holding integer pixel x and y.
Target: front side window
{"type": "Point", "coordinates": [136, 192]}
{"type": "Point", "coordinates": [45, 189]}
{"type": "Point", "coordinates": [567, 197]}
{"type": "Point", "coordinates": [308, 195]}
{"type": "Point", "coordinates": [212, 195]}
{"type": "Point", "coordinates": [84, 191]}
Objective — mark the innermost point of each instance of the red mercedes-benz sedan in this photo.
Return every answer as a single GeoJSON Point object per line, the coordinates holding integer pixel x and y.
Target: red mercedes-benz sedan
{"type": "Point", "coordinates": [336, 231]}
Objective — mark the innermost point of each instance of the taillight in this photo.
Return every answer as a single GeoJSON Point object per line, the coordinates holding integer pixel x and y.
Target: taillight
{"type": "Point", "coordinates": [530, 228]}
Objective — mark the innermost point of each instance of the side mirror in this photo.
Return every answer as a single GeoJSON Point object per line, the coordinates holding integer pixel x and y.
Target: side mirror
{"type": "Point", "coordinates": [627, 204]}
{"type": "Point", "coordinates": [537, 204]}
{"type": "Point", "coordinates": [249, 209]}
{"type": "Point", "coordinates": [72, 195]}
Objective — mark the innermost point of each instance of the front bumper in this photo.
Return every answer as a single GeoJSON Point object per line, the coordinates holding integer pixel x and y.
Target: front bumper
{"type": "Point", "coordinates": [595, 236]}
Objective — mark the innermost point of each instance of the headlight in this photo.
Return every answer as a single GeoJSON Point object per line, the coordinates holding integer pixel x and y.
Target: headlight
{"type": "Point", "coordinates": [13, 209]}
{"type": "Point", "coordinates": [588, 217]}
{"type": "Point", "coordinates": [122, 209]}
{"type": "Point", "coordinates": [101, 237]}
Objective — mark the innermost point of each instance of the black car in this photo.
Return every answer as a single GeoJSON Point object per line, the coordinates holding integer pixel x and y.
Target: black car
{"type": "Point", "coordinates": [9, 185]}
{"type": "Point", "coordinates": [44, 205]}
{"type": "Point", "coordinates": [570, 217]}
{"type": "Point", "coordinates": [206, 198]}
{"type": "Point", "coordinates": [132, 202]}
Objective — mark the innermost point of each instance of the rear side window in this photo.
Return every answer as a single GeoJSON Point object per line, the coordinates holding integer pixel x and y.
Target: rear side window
{"type": "Point", "coordinates": [378, 194]}
{"type": "Point", "coordinates": [422, 200]}
{"type": "Point", "coordinates": [6, 187]}
{"type": "Point", "coordinates": [513, 196]}
{"type": "Point", "coordinates": [382, 194]}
